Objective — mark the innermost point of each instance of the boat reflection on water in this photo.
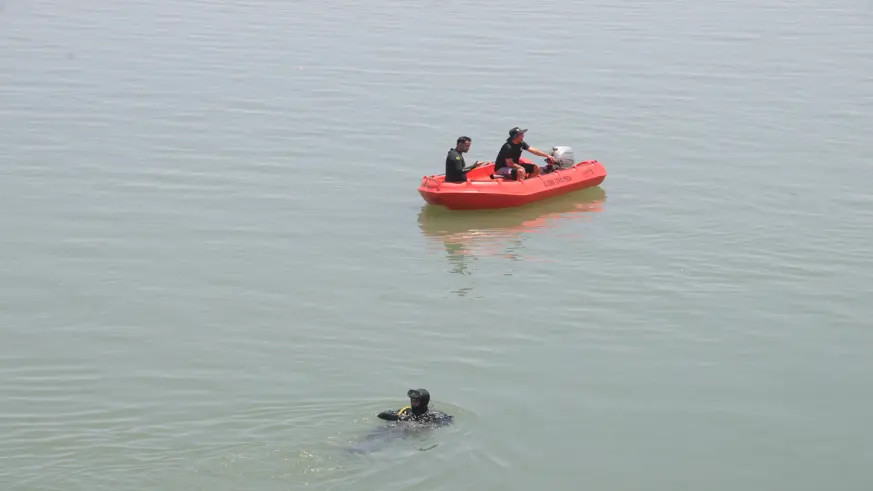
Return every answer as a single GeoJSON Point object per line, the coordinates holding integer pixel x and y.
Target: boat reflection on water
{"type": "Point", "coordinates": [468, 234]}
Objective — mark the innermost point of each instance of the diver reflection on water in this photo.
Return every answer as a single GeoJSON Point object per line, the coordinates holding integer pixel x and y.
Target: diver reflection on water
{"type": "Point", "coordinates": [466, 235]}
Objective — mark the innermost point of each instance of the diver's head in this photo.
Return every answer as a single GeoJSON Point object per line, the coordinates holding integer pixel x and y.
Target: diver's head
{"type": "Point", "coordinates": [418, 399]}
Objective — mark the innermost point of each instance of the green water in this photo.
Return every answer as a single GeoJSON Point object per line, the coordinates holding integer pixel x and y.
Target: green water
{"type": "Point", "coordinates": [215, 268]}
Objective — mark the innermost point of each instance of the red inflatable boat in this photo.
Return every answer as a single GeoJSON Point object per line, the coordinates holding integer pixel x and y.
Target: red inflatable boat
{"type": "Point", "coordinates": [484, 190]}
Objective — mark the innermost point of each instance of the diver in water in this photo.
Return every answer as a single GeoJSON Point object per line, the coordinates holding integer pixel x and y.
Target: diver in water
{"type": "Point", "coordinates": [417, 411]}
{"type": "Point", "coordinates": [417, 415]}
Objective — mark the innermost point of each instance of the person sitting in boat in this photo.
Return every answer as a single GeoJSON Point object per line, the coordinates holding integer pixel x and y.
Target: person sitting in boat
{"type": "Point", "coordinates": [455, 170]}
{"type": "Point", "coordinates": [417, 411]}
{"type": "Point", "coordinates": [506, 164]}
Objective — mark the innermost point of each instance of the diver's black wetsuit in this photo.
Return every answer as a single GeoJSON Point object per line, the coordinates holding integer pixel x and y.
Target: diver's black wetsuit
{"type": "Point", "coordinates": [418, 414]}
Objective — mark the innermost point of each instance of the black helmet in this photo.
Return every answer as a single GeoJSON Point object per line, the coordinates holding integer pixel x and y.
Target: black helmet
{"type": "Point", "coordinates": [420, 394]}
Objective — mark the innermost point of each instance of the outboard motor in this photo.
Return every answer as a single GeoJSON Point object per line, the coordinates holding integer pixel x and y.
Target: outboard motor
{"type": "Point", "coordinates": [564, 159]}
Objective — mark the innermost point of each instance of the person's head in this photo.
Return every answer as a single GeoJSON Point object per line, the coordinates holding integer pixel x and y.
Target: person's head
{"type": "Point", "coordinates": [418, 399]}
{"type": "Point", "coordinates": [463, 144]}
{"type": "Point", "coordinates": [516, 135]}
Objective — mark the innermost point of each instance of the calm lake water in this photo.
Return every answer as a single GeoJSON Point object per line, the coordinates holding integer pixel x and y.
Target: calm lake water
{"type": "Point", "coordinates": [215, 268]}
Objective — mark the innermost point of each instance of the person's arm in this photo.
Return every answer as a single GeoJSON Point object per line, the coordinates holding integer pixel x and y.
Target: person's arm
{"type": "Point", "coordinates": [475, 164]}
{"type": "Point", "coordinates": [444, 419]}
{"type": "Point", "coordinates": [388, 416]}
{"type": "Point", "coordinates": [537, 151]}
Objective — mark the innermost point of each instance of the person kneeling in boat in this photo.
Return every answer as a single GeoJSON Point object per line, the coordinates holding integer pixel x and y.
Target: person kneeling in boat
{"type": "Point", "coordinates": [506, 164]}
{"type": "Point", "coordinates": [417, 411]}
{"type": "Point", "coordinates": [455, 170]}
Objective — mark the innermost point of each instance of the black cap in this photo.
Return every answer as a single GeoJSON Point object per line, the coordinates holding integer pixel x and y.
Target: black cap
{"type": "Point", "coordinates": [515, 131]}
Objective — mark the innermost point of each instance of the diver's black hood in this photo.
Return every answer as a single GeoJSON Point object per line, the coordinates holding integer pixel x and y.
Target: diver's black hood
{"type": "Point", "coordinates": [424, 398]}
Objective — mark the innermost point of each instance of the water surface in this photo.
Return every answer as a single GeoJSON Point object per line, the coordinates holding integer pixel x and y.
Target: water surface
{"type": "Point", "coordinates": [215, 269]}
